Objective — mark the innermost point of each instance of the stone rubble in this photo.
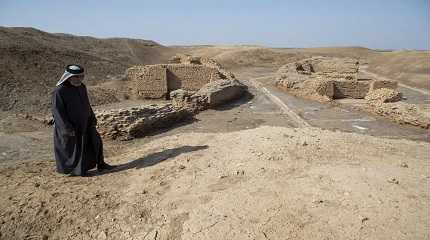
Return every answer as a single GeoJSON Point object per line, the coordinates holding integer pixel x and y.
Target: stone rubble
{"type": "Point", "coordinates": [383, 95]}
{"type": "Point", "coordinates": [403, 113]}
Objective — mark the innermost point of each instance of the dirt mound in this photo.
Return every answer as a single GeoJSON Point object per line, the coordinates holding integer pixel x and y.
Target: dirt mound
{"type": "Point", "coordinates": [268, 182]}
{"type": "Point", "coordinates": [31, 62]}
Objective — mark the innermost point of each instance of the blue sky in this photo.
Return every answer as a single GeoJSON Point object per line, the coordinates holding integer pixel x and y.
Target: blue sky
{"type": "Point", "coordinates": [385, 24]}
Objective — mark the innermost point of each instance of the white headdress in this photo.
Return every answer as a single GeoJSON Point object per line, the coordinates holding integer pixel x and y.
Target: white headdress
{"type": "Point", "coordinates": [71, 70]}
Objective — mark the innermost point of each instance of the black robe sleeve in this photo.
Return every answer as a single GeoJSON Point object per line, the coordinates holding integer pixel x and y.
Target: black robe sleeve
{"type": "Point", "coordinates": [60, 114]}
{"type": "Point", "coordinates": [93, 119]}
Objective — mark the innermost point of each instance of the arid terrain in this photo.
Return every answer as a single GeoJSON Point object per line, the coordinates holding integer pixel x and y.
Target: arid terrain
{"type": "Point", "coordinates": [268, 165]}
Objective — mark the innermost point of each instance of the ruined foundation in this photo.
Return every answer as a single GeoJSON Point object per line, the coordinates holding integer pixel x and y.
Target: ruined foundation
{"type": "Point", "coordinates": [134, 122]}
{"type": "Point", "coordinates": [187, 73]}
{"type": "Point", "coordinates": [333, 78]}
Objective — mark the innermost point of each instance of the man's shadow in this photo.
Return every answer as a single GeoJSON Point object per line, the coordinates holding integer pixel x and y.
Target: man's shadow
{"type": "Point", "coordinates": [152, 159]}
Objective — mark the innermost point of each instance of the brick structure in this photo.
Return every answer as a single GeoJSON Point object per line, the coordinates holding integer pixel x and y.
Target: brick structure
{"type": "Point", "coordinates": [148, 81]}
{"type": "Point", "coordinates": [350, 88]}
{"type": "Point", "coordinates": [305, 76]}
{"type": "Point", "coordinates": [189, 73]}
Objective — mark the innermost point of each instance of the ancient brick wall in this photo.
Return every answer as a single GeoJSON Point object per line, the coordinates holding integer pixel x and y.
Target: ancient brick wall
{"type": "Point", "coordinates": [188, 77]}
{"type": "Point", "coordinates": [351, 89]}
{"type": "Point", "coordinates": [148, 81]}
{"type": "Point", "coordinates": [157, 81]}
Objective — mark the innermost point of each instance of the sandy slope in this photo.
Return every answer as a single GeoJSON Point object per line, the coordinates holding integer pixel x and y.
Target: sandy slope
{"type": "Point", "coordinates": [32, 61]}
{"type": "Point", "coordinates": [264, 183]}
{"type": "Point", "coordinates": [408, 67]}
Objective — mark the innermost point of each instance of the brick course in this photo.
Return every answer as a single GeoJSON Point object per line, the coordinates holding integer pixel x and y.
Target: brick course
{"type": "Point", "coordinates": [157, 81]}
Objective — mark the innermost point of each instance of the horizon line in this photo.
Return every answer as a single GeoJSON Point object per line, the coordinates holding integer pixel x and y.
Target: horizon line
{"type": "Point", "coordinates": [220, 44]}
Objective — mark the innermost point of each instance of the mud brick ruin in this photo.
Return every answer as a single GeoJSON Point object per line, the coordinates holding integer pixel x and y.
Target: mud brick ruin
{"type": "Point", "coordinates": [186, 72]}
{"type": "Point", "coordinates": [333, 78]}
{"type": "Point", "coordinates": [133, 122]}
{"type": "Point", "coordinates": [202, 82]}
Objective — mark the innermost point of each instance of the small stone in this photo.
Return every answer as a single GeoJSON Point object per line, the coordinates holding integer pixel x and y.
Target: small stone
{"type": "Point", "coordinates": [102, 235]}
{"type": "Point", "coordinates": [393, 180]}
{"type": "Point", "coordinates": [37, 185]}
{"type": "Point", "coordinates": [181, 167]}
{"type": "Point", "coordinates": [304, 143]}
{"type": "Point", "coordinates": [45, 237]}
{"type": "Point", "coordinates": [364, 219]}
{"type": "Point", "coordinates": [404, 165]}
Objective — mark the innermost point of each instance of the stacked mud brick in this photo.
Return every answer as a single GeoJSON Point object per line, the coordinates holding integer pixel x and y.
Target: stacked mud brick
{"type": "Point", "coordinates": [187, 73]}
{"type": "Point", "coordinates": [133, 122]}
{"type": "Point", "coordinates": [331, 77]}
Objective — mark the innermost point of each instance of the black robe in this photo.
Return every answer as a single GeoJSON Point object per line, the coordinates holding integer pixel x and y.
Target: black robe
{"type": "Point", "coordinates": [75, 153]}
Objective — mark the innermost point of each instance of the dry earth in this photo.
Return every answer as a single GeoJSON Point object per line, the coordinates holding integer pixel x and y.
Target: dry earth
{"type": "Point", "coordinates": [275, 183]}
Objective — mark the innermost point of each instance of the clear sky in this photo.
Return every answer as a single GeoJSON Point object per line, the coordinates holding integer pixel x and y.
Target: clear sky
{"type": "Point", "coordinates": [385, 24]}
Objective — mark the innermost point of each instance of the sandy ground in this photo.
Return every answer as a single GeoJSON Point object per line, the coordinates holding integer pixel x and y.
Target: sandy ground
{"type": "Point", "coordinates": [264, 183]}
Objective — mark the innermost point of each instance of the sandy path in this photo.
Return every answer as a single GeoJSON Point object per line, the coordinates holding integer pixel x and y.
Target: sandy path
{"type": "Point", "coordinates": [284, 107]}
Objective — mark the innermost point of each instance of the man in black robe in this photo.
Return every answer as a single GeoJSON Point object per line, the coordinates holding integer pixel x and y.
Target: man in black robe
{"type": "Point", "coordinates": [77, 144]}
